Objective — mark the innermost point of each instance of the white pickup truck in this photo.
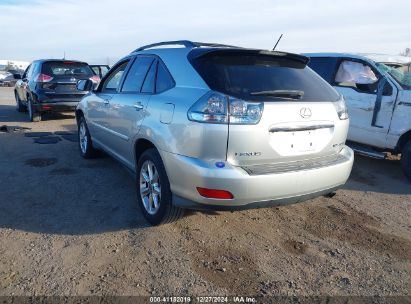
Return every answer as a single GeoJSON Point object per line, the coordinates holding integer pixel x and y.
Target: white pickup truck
{"type": "Point", "coordinates": [377, 90]}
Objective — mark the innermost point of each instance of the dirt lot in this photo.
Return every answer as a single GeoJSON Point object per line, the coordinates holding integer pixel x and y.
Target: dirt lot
{"type": "Point", "coordinates": [70, 226]}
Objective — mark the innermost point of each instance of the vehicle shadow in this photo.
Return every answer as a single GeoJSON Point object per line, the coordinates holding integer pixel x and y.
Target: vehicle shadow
{"type": "Point", "coordinates": [378, 175]}
{"type": "Point", "coordinates": [70, 127]}
{"type": "Point", "coordinates": [57, 116]}
{"type": "Point", "coordinates": [51, 189]}
{"type": "Point", "coordinates": [9, 113]}
{"type": "Point", "coordinates": [69, 214]}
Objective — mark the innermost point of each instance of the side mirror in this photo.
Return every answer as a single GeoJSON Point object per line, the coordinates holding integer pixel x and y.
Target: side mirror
{"type": "Point", "coordinates": [86, 85]}
{"type": "Point", "coordinates": [17, 76]}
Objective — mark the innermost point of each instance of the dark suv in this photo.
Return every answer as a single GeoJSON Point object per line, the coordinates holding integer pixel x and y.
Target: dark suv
{"type": "Point", "coordinates": [50, 85]}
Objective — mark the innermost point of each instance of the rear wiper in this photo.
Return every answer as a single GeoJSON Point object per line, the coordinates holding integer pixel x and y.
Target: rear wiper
{"type": "Point", "coordinates": [284, 94]}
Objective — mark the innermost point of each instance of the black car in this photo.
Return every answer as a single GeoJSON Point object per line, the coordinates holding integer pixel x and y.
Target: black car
{"type": "Point", "coordinates": [50, 85]}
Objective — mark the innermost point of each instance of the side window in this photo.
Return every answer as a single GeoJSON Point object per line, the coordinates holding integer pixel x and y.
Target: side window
{"type": "Point", "coordinates": [137, 73]}
{"type": "Point", "coordinates": [96, 70]}
{"type": "Point", "coordinates": [164, 80]}
{"type": "Point", "coordinates": [149, 82]}
{"type": "Point", "coordinates": [325, 67]}
{"type": "Point", "coordinates": [103, 70]}
{"type": "Point", "coordinates": [28, 71]}
{"type": "Point", "coordinates": [357, 75]}
{"type": "Point", "coordinates": [112, 82]}
{"type": "Point", "coordinates": [36, 69]}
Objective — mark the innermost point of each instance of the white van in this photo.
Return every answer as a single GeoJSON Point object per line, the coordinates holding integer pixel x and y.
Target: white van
{"type": "Point", "coordinates": [377, 90]}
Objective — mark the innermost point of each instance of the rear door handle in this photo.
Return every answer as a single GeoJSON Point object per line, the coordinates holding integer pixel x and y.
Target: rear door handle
{"type": "Point", "coordinates": [106, 101]}
{"type": "Point", "coordinates": [138, 106]}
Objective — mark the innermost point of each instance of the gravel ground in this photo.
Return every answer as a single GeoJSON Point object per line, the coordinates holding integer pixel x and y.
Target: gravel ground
{"type": "Point", "coordinates": [70, 226]}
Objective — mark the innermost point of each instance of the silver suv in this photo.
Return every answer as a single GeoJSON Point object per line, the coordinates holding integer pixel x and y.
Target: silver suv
{"type": "Point", "coordinates": [215, 126]}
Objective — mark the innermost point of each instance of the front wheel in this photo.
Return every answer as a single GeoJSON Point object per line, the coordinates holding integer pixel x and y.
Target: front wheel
{"type": "Point", "coordinates": [406, 159]}
{"type": "Point", "coordinates": [34, 116]}
{"type": "Point", "coordinates": [153, 190]}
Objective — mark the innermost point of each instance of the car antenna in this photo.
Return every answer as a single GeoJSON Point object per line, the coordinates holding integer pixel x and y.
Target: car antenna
{"type": "Point", "coordinates": [281, 36]}
{"type": "Point", "coordinates": [64, 55]}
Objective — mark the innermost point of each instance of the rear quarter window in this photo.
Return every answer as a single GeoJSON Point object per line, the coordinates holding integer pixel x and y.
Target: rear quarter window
{"type": "Point", "coordinates": [149, 82]}
{"type": "Point", "coordinates": [242, 75]}
{"type": "Point", "coordinates": [164, 80]}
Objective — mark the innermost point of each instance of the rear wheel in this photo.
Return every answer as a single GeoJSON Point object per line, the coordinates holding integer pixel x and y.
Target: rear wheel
{"type": "Point", "coordinates": [406, 159]}
{"type": "Point", "coordinates": [84, 139]}
{"type": "Point", "coordinates": [33, 114]}
{"type": "Point", "coordinates": [19, 105]}
{"type": "Point", "coordinates": [153, 190]}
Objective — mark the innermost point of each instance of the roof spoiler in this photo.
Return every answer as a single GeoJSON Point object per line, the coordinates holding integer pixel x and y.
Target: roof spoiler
{"type": "Point", "coordinates": [196, 53]}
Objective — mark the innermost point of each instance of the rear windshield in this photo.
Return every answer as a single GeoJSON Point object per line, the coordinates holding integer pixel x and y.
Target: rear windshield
{"type": "Point", "coordinates": [61, 68]}
{"type": "Point", "coordinates": [249, 76]}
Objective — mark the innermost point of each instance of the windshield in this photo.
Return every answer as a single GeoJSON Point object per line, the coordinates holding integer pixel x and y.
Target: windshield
{"type": "Point", "coordinates": [401, 74]}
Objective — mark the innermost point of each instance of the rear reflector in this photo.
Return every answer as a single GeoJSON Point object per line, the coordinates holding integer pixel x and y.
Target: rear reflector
{"type": "Point", "coordinates": [214, 193]}
{"type": "Point", "coordinates": [46, 107]}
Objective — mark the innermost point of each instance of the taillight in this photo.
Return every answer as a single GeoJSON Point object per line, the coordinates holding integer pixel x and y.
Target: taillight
{"type": "Point", "coordinates": [214, 193]}
{"type": "Point", "coordinates": [245, 113]}
{"type": "Point", "coordinates": [95, 78]}
{"type": "Point", "coordinates": [217, 108]}
{"type": "Point", "coordinates": [211, 108]}
{"type": "Point", "coordinates": [43, 78]}
{"type": "Point", "coordinates": [341, 109]}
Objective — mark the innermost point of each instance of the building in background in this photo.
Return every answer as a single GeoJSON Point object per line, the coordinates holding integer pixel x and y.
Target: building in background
{"type": "Point", "coordinates": [13, 65]}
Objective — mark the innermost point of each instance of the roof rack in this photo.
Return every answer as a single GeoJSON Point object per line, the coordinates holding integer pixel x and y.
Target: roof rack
{"type": "Point", "coordinates": [185, 43]}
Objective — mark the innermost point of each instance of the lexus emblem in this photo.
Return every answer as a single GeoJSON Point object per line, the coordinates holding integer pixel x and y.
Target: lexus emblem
{"type": "Point", "coordinates": [305, 112]}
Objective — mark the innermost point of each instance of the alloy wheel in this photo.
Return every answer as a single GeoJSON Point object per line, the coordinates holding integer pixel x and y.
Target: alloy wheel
{"type": "Point", "coordinates": [83, 138]}
{"type": "Point", "coordinates": [150, 187]}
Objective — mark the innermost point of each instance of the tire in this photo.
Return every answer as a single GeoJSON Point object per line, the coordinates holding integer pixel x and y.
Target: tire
{"type": "Point", "coordinates": [406, 159]}
{"type": "Point", "coordinates": [84, 139]}
{"type": "Point", "coordinates": [34, 116]}
{"type": "Point", "coordinates": [19, 105]}
{"type": "Point", "coordinates": [157, 186]}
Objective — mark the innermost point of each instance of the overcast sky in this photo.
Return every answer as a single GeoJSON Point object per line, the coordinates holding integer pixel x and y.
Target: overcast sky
{"type": "Point", "coordinates": [97, 30]}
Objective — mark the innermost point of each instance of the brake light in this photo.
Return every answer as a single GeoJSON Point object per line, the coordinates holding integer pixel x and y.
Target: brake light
{"type": "Point", "coordinates": [217, 108]}
{"type": "Point", "coordinates": [211, 108]}
{"type": "Point", "coordinates": [43, 78]}
{"type": "Point", "coordinates": [214, 193]}
{"type": "Point", "coordinates": [95, 78]}
{"type": "Point", "coordinates": [341, 108]}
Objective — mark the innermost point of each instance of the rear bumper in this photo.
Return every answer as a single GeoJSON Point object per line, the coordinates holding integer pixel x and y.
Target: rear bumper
{"type": "Point", "coordinates": [250, 191]}
{"type": "Point", "coordinates": [188, 204]}
{"type": "Point", "coordinates": [56, 106]}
